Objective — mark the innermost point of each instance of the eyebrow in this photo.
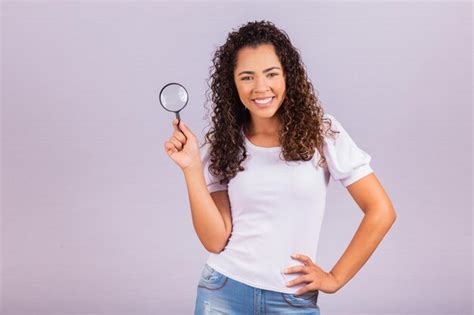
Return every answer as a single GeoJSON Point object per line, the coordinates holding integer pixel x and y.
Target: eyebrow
{"type": "Point", "coordinates": [266, 70]}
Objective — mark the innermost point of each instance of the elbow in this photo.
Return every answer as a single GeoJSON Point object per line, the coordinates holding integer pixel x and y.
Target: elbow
{"type": "Point", "coordinates": [214, 249]}
{"type": "Point", "coordinates": [218, 247]}
{"type": "Point", "coordinates": [392, 214]}
{"type": "Point", "coordinates": [391, 217]}
{"type": "Point", "coordinates": [383, 214]}
{"type": "Point", "coordinates": [394, 217]}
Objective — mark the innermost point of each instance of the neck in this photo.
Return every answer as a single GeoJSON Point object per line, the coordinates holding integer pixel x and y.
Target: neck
{"type": "Point", "coordinates": [267, 127]}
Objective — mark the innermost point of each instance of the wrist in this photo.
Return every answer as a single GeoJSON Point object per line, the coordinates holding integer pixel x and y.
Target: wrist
{"type": "Point", "coordinates": [336, 280]}
{"type": "Point", "coordinates": [193, 168]}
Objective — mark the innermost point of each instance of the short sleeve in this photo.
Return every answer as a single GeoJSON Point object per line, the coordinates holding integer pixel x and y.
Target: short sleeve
{"type": "Point", "coordinates": [212, 181]}
{"type": "Point", "coordinates": [346, 162]}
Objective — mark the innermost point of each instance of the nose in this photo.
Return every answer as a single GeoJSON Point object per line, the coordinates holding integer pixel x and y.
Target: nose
{"type": "Point", "coordinates": [261, 85]}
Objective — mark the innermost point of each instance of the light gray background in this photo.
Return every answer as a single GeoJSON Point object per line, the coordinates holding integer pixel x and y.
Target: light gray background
{"type": "Point", "coordinates": [95, 216]}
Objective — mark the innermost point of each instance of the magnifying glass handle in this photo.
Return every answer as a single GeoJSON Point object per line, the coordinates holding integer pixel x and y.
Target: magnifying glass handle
{"type": "Point", "coordinates": [179, 119]}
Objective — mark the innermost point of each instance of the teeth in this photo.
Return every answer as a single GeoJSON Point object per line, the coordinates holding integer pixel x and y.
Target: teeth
{"type": "Point", "coordinates": [266, 100]}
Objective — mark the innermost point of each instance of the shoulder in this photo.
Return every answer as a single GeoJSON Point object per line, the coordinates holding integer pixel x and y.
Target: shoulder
{"type": "Point", "coordinates": [329, 119]}
{"type": "Point", "coordinates": [331, 126]}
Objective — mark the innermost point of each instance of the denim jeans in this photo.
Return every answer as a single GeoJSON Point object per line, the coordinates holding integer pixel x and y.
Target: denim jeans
{"type": "Point", "coordinates": [219, 294]}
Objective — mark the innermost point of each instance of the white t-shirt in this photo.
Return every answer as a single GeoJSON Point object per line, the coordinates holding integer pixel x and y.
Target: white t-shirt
{"type": "Point", "coordinates": [278, 207]}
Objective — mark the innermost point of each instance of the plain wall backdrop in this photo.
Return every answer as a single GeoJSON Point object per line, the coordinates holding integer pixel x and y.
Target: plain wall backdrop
{"type": "Point", "coordinates": [95, 216]}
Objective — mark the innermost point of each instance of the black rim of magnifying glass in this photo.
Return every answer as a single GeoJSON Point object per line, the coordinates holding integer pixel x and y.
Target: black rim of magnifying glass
{"type": "Point", "coordinates": [176, 112]}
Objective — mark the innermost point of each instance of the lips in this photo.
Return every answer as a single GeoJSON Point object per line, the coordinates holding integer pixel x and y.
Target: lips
{"type": "Point", "coordinates": [263, 101]}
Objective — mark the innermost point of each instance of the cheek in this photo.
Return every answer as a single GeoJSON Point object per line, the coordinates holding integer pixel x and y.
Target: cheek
{"type": "Point", "coordinates": [243, 90]}
{"type": "Point", "coordinates": [242, 96]}
{"type": "Point", "coordinates": [281, 87]}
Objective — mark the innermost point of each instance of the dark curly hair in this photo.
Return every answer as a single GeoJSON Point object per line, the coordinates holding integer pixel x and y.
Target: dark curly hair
{"type": "Point", "coordinates": [300, 114]}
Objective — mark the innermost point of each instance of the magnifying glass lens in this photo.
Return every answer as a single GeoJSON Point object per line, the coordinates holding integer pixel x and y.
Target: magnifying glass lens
{"type": "Point", "coordinates": [173, 97]}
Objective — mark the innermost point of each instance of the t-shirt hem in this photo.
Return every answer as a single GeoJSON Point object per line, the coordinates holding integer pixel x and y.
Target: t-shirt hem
{"type": "Point", "coordinates": [250, 283]}
{"type": "Point", "coordinates": [357, 174]}
{"type": "Point", "coordinates": [216, 187]}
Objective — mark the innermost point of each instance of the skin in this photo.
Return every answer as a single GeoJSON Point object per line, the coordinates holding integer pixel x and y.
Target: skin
{"type": "Point", "coordinates": [259, 74]}
{"type": "Point", "coordinates": [253, 81]}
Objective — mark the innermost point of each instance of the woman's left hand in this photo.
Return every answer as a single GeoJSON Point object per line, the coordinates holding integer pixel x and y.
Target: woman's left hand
{"type": "Point", "coordinates": [317, 278]}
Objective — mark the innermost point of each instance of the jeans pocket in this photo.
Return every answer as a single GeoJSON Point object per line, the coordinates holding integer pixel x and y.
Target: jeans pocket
{"type": "Point", "coordinates": [309, 299]}
{"type": "Point", "coordinates": [211, 279]}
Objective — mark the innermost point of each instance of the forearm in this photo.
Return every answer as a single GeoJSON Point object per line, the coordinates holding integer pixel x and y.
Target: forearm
{"type": "Point", "coordinates": [370, 233]}
{"type": "Point", "coordinates": [207, 219]}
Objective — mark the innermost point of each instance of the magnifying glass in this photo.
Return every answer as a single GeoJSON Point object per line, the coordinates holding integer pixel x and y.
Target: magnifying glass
{"type": "Point", "coordinates": [173, 98]}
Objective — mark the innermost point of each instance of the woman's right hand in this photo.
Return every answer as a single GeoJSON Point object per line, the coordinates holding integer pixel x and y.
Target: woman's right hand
{"type": "Point", "coordinates": [184, 152]}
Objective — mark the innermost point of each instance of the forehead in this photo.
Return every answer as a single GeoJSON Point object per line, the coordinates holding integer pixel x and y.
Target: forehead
{"type": "Point", "coordinates": [262, 56]}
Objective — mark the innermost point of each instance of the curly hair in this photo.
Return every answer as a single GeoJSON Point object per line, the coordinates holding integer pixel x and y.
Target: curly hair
{"type": "Point", "coordinates": [301, 114]}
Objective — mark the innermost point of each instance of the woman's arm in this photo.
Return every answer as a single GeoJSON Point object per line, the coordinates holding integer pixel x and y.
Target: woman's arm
{"type": "Point", "coordinates": [379, 215]}
{"type": "Point", "coordinates": [209, 222]}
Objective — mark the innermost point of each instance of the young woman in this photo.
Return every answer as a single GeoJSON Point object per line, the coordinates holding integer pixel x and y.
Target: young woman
{"type": "Point", "coordinates": [257, 187]}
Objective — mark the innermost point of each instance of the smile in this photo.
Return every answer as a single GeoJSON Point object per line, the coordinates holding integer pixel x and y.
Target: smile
{"type": "Point", "coordinates": [264, 101]}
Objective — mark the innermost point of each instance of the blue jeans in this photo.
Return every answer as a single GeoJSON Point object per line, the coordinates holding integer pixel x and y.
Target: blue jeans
{"type": "Point", "coordinates": [219, 294]}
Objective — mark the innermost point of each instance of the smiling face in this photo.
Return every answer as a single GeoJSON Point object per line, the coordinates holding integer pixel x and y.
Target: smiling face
{"type": "Point", "coordinates": [260, 82]}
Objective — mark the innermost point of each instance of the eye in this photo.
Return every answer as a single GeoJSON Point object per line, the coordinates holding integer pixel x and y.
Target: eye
{"type": "Point", "coordinates": [248, 78]}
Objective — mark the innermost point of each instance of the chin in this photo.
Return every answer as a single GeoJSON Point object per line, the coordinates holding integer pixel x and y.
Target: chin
{"type": "Point", "coordinates": [264, 114]}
